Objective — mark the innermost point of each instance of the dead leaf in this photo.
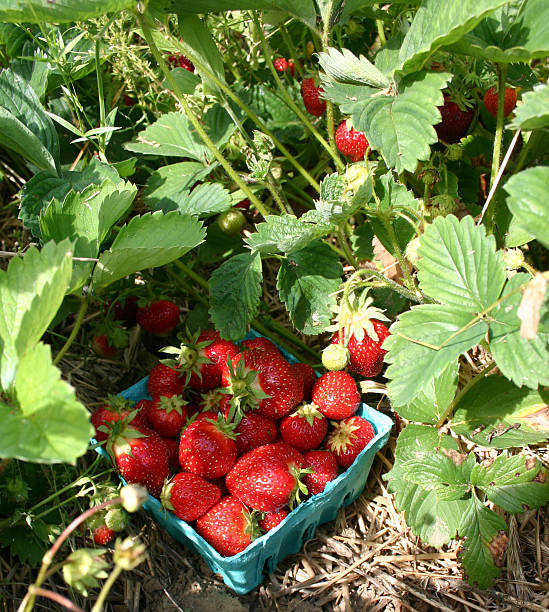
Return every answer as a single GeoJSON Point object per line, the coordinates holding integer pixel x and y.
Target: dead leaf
{"type": "Point", "coordinates": [530, 305]}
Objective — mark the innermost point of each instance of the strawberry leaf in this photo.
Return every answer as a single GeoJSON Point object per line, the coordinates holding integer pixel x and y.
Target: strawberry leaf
{"type": "Point", "coordinates": [458, 264]}
{"type": "Point", "coordinates": [306, 281]}
{"type": "Point", "coordinates": [529, 201]}
{"type": "Point", "coordinates": [149, 241]}
{"type": "Point", "coordinates": [497, 414]}
{"type": "Point", "coordinates": [524, 361]}
{"type": "Point", "coordinates": [235, 291]}
{"type": "Point", "coordinates": [47, 423]}
{"type": "Point", "coordinates": [533, 113]}
{"type": "Point", "coordinates": [343, 66]}
{"type": "Point", "coordinates": [35, 11]}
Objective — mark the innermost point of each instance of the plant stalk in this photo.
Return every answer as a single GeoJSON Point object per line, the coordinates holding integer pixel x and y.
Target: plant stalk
{"type": "Point", "coordinates": [74, 332]}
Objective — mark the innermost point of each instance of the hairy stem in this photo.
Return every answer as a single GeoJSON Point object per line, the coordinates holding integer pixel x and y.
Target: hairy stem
{"type": "Point", "coordinates": [74, 332]}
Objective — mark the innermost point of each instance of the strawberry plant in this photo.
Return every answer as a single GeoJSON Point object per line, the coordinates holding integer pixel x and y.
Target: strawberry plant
{"type": "Point", "coordinates": [389, 192]}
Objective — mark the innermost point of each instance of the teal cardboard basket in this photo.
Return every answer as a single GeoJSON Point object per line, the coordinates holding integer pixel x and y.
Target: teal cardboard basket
{"type": "Point", "coordinates": [246, 570]}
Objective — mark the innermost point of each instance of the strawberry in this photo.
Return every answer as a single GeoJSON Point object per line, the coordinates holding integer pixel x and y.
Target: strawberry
{"type": "Point", "coordinates": [142, 406]}
{"type": "Point", "coordinates": [243, 204]}
{"type": "Point", "coordinates": [491, 101]}
{"type": "Point", "coordinates": [208, 448]}
{"type": "Point", "coordinates": [117, 519]}
{"type": "Point", "coordinates": [324, 469]}
{"type": "Point", "coordinates": [102, 347]}
{"type": "Point", "coordinates": [159, 317]}
{"type": "Point", "coordinates": [362, 334]}
{"type": "Point", "coordinates": [336, 395]}
{"type": "Point", "coordinates": [255, 430]}
{"type": "Point", "coordinates": [228, 526]}
{"type": "Point", "coordinates": [167, 415]}
{"type": "Point", "coordinates": [178, 60]}
{"type": "Point", "coordinates": [124, 309]}
{"type": "Point", "coordinates": [351, 142]}
{"type": "Point", "coordinates": [200, 359]}
{"type": "Point", "coordinates": [271, 520]}
{"type": "Point", "coordinates": [348, 438]}
{"type": "Point", "coordinates": [128, 100]}
{"type": "Point", "coordinates": [305, 428]}
{"type": "Point", "coordinates": [310, 93]}
{"type": "Point", "coordinates": [209, 400]}
{"type": "Point", "coordinates": [260, 343]}
{"type": "Point", "coordinates": [454, 121]}
{"type": "Point", "coordinates": [261, 379]}
{"type": "Point", "coordinates": [281, 65]}
{"type": "Point", "coordinates": [305, 373]}
{"type": "Point", "coordinates": [172, 448]}
{"type": "Point", "coordinates": [102, 535]}
{"type": "Point", "coordinates": [109, 338]}
{"type": "Point", "coordinates": [231, 221]}
{"type": "Point", "coordinates": [164, 380]}
{"type": "Point", "coordinates": [115, 410]}
{"type": "Point", "coordinates": [268, 477]}
{"type": "Point", "coordinates": [189, 496]}
{"type": "Point", "coordinates": [139, 455]}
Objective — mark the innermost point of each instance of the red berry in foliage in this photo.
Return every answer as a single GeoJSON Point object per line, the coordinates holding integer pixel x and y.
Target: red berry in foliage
{"type": "Point", "coordinates": [255, 430]}
{"type": "Point", "coordinates": [125, 309]}
{"type": "Point", "coordinates": [348, 438]}
{"type": "Point", "coordinates": [208, 448]}
{"type": "Point", "coordinates": [305, 373]}
{"type": "Point", "coordinates": [178, 60]}
{"type": "Point", "coordinates": [117, 409]}
{"type": "Point", "coordinates": [282, 65]}
{"type": "Point", "coordinates": [310, 93]}
{"type": "Point", "coordinates": [128, 100]}
{"type": "Point", "coordinates": [167, 415]}
{"type": "Point", "coordinates": [271, 520]}
{"type": "Point", "coordinates": [189, 496]}
{"type": "Point", "coordinates": [102, 347]}
{"type": "Point", "coordinates": [336, 395]}
{"type": "Point", "coordinates": [228, 526]}
{"type": "Point", "coordinates": [454, 121]}
{"type": "Point", "coordinates": [158, 318]}
{"type": "Point", "coordinates": [102, 535]}
{"type": "Point", "coordinates": [268, 477]}
{"type": "Point", "coordinates": [164, 380]}
{"type": "Point", "coordinates": [351, 142]}
{"type": "Point", "coordinates": [491, 101]}
{"type": "Point", "coordinates": [305, 428]}
{"type": "Point", "coordinates": [243, 204]}
{"type": "Point", "coordinates": [324, 469]}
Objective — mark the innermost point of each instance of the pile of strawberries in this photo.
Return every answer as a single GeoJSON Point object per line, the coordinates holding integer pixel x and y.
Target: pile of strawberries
{"type": "Point", "coordinates": [234, 436]}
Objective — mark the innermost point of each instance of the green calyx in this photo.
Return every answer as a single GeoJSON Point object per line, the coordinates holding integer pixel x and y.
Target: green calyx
{"type": "Point", "coordinates": [300, 491]}
{"type": "Point", "coordinates": [188, 357]}
{"type": "Point", "coordinates": [172, 403]}
{"type": "Point", "coordinates": [309, 412]}
{"type": "Point", "coordinates": [246, 392]}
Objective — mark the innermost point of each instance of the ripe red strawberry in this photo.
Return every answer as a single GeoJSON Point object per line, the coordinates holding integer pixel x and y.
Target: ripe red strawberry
{"type": "Point", "coordinates": [260, 343]}
{"type": "Point", "coordinates": [102, 347]}
{"type": "Point", "coordinates": [271, 520]}
{"type": "Point", "coordinates": [189, 496]}
{"type": "Point", "coordinates": [140, 456]}
{"type": "Point", "coordinates": [263, 380]}
{"type": "Point", "coordinates": [172, 448]}
{"type": "Point", "coordinates": [159, 317]}
{"type": "Point", "coordinates": [491, 101]}
{"type": "Point", "coordinates": [167, 415]}
{"type": "Point", "coordinates": [336, 395]}
{"type": "Point", "coordinates": [351, 142]}
{"type": "Point", "coordinates": [208, 448]}
{"type": "Point", "coordinates": [125, 309]}
{"type": "Point", "coordinates": [178, 60]}
{"type": "Point", "coordinates": [324, 469]}
{"type": "Point", "coordinates": [306, 374]}
{"type": "Point", "coordinates": [102, 535]}
{"type": "Point", "coordinates": [282, 65]}
{"type": "Point", "coordinates": [128, 100]}
{"type": "Point", "coordinates": [310, 93]}
{"type": "Point", "coordinates": [228, 526]}
{"type": "Point", "coordinates": [348, 438]}
{"type": "Point", "coordinates": [243, 204]}
{"type": "Point", "coordinates": [454, 121]}
{"type": "Point", "coordinates": [363, 334]}
{"type": "Point", "coordinates": [109, 337]}
{"type": "Point", "coordinates": [305, 428]}
{"type": "Point", "coordinates": [117, 409]}
{"type": "Point", "coordinates": [268, 477]}
{"type": "Point", "coordinates": [164, 380]}
{"type": "Point", "coordinates": [255, 430]}
{"type": "Point", "coordinates": [142, 406]}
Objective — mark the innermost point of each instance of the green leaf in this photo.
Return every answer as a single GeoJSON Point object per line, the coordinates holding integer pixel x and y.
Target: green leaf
{"type": "Point", "coordinates": [401, 126]}
{"type": "Point", "coordinates": [149, 241]}
{"type": "Point", "coordinates": [513, 483]}
{"type": "Point", "coordinates": [18, 98]}
{"type": "Point", "coordinates": [196, 34]}
{"type": "Point", "coordinates": [35, 11]}
{"type": "Point", "coordinates": [481, 529]}
{"type": "Point", "coordinates": [433, 28]}
{"type": "Point", "coordinates": [284, 233]}
{"type": "Point", "coordinates": [206, 200]}
{"type": "Point", "coordinates": [306, 281]}
{"type": "Point", "coordinates": [235, 291]}
{"type": "Point", "coordinates": [525, 362]}
{"type": "Point", "coordinates": [413, 365]}
{"type": "Point", "coordinates": [433, 399]}
{"type": "Point", "coordinates": [434, 520]}
{"type": "Point", "coordinates": [334, 205]}
{"type": "Point", "coordinates": [49, 425]}
{"type": "Point", "coordinates": [497, 414]}
{"type": "Point", "coordinates": [533, 113]}
{"type": "Point", "coordinates": [186, 81]}
{"type": "Point", "coordinates": [515, 33]}
{"type": "Point", "coordinates": [361, 241]}
{"type": "Point", "coordinates": [87, 216]}
{"type": "Point", "coordinates": [36, 72]}
{"type": "Point", "coordinates": [343, 66]}
{"type": "Point", "coordinates": [31, 292]}
{"type": "Point", "coordinates": [529, 201]}
{"type": "Point", "coordinates": [168, 186]}
{"type": "Point", "coordinates": [458, 264]}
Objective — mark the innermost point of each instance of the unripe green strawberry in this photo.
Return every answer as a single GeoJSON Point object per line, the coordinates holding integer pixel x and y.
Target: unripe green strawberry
{"type": "Point", "coordinates": [117, 519]}
{"type": "Point", "coordinates": [454, 152]}
{"type": "Point", "coordinates": [335, 357]}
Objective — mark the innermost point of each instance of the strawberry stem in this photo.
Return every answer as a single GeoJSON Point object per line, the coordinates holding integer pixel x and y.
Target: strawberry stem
{"type": "Point", "coordinates": [74, 332]}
